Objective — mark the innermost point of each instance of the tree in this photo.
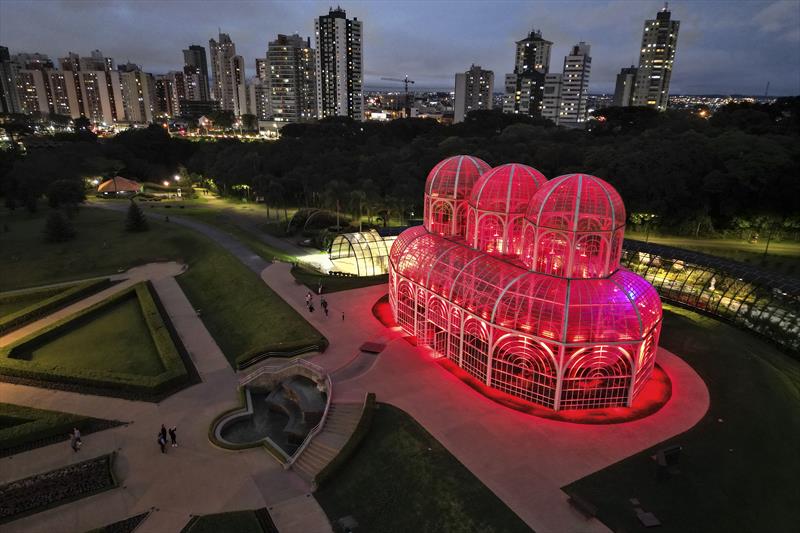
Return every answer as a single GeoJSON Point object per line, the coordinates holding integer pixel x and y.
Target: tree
{"type": "Point", "coordinates": [222, 120]}
{"type": "Point", "coordinates": [66, 193]}
{"type": "Point", "coordinates": [249, 122]}
{"type": "Point", "coordinates": [58, 228]}
{"type": "Point", "coordinates": [135, 221]}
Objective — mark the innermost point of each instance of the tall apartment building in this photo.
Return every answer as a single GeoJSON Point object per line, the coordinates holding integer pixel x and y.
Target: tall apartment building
{"type": "Point", "coordinates": [98, 87]}
{"type": "Point", "coordinates": [32, 91]}
{"type": "Point", "coordinates": [551, 97]}
{"type": "Point", "coordinates": [9, 99]}
{"type": "Point", "coordinates": [524, 88]}
{"type": "Point", "coordinates": [339, 66]}
{"type": "Point", "coordinates": [292, 79]}
{"type": "Point", "coordinates": [223, 85]}
{"type": "Point", "coordinates": [196, 68]}
{"type": "Point", "coordinates": [575, 86]}
{"type": "Point", "coordinates": [474, 90]}
{"type": "Point", "coordinates": [623, 91]}
{"type": "Point", "coordinates": [138, 94]}
{"type": "Point", "coordinates": [63, 93]}
{"type": "Point", "coordinates": [239, 86]}
{"type": "Point", "coordinates": [656, 57]}
{"type": "Point", "coordinates": [258, 103]}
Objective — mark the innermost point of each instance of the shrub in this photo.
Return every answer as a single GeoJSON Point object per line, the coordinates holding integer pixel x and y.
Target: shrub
{"type": "Point", "coordinates": [58, 228]}
{"type": "Point", "coordinates": [135, 220]}
{"type": "Point", "coordinates": [65, 193]}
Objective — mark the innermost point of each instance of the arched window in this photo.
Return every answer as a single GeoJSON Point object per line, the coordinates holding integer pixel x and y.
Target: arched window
{"type": "Point", "coordinates": [405, 307]}
{"type": "Point", "coordinates": [552, 251]}
{"type": "Point", "coordinates": [491, 237]}
{"type": "Point", "coordinates": [442, 218]}
{"type": "Point", "coordinates": [475, 350]}
{"type": "Point", "coordinates": [462, 211]}
{"type": "Point", "coordinates": [525, 368]}
{"type": "Point", "coordinates": [595, 377]}
{"type": "Point", "coordinates": [436, 326]}
{"type": "Point", "coordinates": [589, 256]}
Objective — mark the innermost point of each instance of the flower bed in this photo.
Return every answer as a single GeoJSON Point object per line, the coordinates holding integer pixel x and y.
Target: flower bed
{"type": "Point", "coordinates": [36, 493]}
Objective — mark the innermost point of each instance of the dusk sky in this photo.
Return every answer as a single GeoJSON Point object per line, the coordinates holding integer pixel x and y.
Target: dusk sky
{"type": "Point", "coordinates": [723, 46]}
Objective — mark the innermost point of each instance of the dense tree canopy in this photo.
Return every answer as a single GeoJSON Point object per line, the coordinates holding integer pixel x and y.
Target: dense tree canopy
{"type": "Point", "coordinates": [694, 175]}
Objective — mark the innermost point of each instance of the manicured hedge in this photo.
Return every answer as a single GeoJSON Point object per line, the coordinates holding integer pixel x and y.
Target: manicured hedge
{"type": "Point", "coordinates": [174, 375]}
{"type": "Point", "coordinates": [60, 298]}
{"type": "Point", "coordinates": [352, 443]}
{"type": "Point", "coordinates": [42, 427]}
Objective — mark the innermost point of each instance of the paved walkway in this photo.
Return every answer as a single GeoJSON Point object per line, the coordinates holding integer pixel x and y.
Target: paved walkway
{"type": "Point", "coordinates": [196, 478]}
{"type": "Point", "coordinates": [523, 459]}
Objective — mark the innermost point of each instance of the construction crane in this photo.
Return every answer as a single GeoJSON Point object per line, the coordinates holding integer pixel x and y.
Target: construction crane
{"type": "Point", "coordinates": [405, 81]}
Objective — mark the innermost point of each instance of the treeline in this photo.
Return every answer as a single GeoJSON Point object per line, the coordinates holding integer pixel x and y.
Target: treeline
{"type": "Point", "coordinates": [739, 169]}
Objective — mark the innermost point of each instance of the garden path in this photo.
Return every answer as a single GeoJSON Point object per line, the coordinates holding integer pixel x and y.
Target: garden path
{"type": "Point", "coordinates": [196, 478]}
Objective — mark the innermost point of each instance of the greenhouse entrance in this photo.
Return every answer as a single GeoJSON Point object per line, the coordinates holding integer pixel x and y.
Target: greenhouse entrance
{"type": "Point", "coordinates": [364, 253]}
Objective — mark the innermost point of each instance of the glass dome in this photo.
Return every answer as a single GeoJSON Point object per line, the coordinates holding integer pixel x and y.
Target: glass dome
{"type": "Point", "coordinates": [447, 189]}
{"type": "Point", "coordinates": [574, 228]}
{"type": "Point", "coordinates": [497, 206]}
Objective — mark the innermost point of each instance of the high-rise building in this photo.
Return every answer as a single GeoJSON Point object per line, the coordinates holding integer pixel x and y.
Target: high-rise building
{"type": "Point", "coordinates": [575, 86]}
{"type": "Point", "coordinates": [138, 94]}
{"type": "Point", "coordinates": [524, 87]}
{"type": "Point", "coordinates": [258, 99]}
{"type": "Point", "coordinates": [239, 85]}
{"type": "Point", "coordinates": [164, 101]}
{"type": "Point", "coordinates": [551, 97]}
{"type": "Point", "coordinates": [473, 91]}
{"type": "Point", "coordinates": [656, 56]}
{"type": "Point", "coordinates": [262, 68]}
{"type": "Point", "coordinates": [102, 96]}
{"type": "Point", "coordinates": [223, 86]}
{"type": "Point", "coordinates": [9, 98]}
{"type": "Point", "coordinates": [195, 64]}
{"type": "Point", "coordinates": [291, 79]}
{"type": "Point", "coordinates": [623, 91]}
{"type": "Point", "coordinates": [63, 93]}
{"type": "Point", "coordinates": [339, 65]}
{"type": "Point", "coordinates": [35, 61]}
{"type": "Point", "coordinates": [33, 91]}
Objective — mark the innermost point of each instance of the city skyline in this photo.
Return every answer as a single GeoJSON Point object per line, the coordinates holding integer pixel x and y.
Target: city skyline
{"type": "Point", "coordinates": [718, 39]}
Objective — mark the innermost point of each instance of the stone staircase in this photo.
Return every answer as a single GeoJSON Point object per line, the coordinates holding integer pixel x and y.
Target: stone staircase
{"type": "Point", "coordinates": [339, 425]}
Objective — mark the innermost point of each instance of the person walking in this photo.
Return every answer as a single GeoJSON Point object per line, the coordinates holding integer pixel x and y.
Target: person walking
{"type": "Point", "coordinates": [342, 316]}
{"type": "Point", "coordinates": [163, 433]}
{"type": "Point", "coordinates": [162, 442]}
{"type": "Point", "coordinates": [77, 434]}
{"type": "Point", "coordinates": [324, 303]}
{"type": "Point", "coordinates": [173, 436]}
{"type": "Point", "coordinates": [311, 307]}
{"type": "Point", "coordinates": [73, 443]}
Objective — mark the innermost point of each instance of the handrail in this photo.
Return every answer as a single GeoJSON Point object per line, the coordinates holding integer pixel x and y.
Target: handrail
{"type": "Point", "coordinates": [285, 365]}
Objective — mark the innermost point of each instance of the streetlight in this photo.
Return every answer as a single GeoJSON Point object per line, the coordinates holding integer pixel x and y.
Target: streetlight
{"type": "Point", "coordinates": [166, 183]}
{"type": "Point", "coordinates": [177, 177]}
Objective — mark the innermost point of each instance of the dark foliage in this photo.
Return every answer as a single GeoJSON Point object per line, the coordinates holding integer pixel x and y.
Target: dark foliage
{"type": "Point", "coordinates": [65, 193]}
{"type": "Point", "coordinates": [135, 220]}
{"type": "Point", "coordinates": [58, 228]}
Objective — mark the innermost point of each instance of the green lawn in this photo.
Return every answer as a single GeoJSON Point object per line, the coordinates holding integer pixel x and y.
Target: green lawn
{"type": "Point", "coordinates": [25, 426]}
{"type": "Point", "coordinates": [240, 311]}
{"type": "Point", "coordinates": [233, 522]}
{"type": "Point", "coordinates": [10, 305]}
{"type": "Point", "coordinates": [335, 283]}
{"type": "Point", "coordinates": [116, 339]}
{"type": "Point", "coordinates": [740, 463]}
{"type": "Point", "coordinates": [402, 479]}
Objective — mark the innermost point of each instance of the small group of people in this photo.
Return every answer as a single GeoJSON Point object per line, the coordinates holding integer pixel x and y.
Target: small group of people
{"type": "Point", "coordinates": [162, 437]}
{"type": "Point", "coordinates": [75, 441]}
{"type": "Point", "coordinates": [310, 303]}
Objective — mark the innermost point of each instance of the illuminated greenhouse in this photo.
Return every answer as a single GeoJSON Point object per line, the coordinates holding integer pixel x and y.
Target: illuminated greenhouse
{"type": "Point", "coordinates": [552, 320]}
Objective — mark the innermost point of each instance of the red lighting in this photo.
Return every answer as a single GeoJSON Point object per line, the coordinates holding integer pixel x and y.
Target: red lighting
{"type": "Point", "coordinates": [529, 298]}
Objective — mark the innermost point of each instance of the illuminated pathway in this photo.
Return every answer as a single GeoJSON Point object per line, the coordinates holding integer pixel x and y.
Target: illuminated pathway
{"type": "Point", "coordinates": [525, 460]}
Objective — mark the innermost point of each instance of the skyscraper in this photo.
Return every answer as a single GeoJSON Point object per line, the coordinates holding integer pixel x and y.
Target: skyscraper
{"type": "Point", "coordinates": [194, 59]}
{"type": "Point", "coordinates": [291, 79]}
{"type": "Point", "coordinates": [623, 91]}
{"type": "Point", "coordinates": [551, 97]}
{"type": "Point", "coordinates": [339, 65]}
{"type": "Point", "coordinates": [9, 100]}
{"type": "Point", "coordinates": [657, 54]}
{"type": "Point", "coordinates": [575, 86]}
{"type": "Point", "coordinates": [223, 85]}
{"type": "Point", "coordinates": [98, 88]}
{"type": "Point", "coordinates": [138, 94]}
{"type": "Point", "coordinates": [524, 87]}
{"type": "Point", "coordinates": [473, 91]}
{"type": "Point", "coordinates": [239, 86]}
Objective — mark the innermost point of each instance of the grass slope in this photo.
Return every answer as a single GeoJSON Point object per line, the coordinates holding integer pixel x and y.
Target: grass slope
{"type": "Point", "coordinates": [22, 427]}
{"type": "Point", "coordinates": [240, 311]}
{"type": "Point", "coordinates": [737, 474]}
{"type": "Point", "coordinates": [402, 479]}
{"type": "Point", "coordinates": [122, 333]}
{"type": "Point", "coordinates": [9, 306]}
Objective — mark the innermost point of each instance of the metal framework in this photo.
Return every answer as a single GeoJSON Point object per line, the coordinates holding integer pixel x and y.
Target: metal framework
{"type": "Point", "coordinates": [748, 297]}
{"type": "Point", "coordinates": [559, 324]}
{"type": "Point", "coordinates": [363, 253]}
